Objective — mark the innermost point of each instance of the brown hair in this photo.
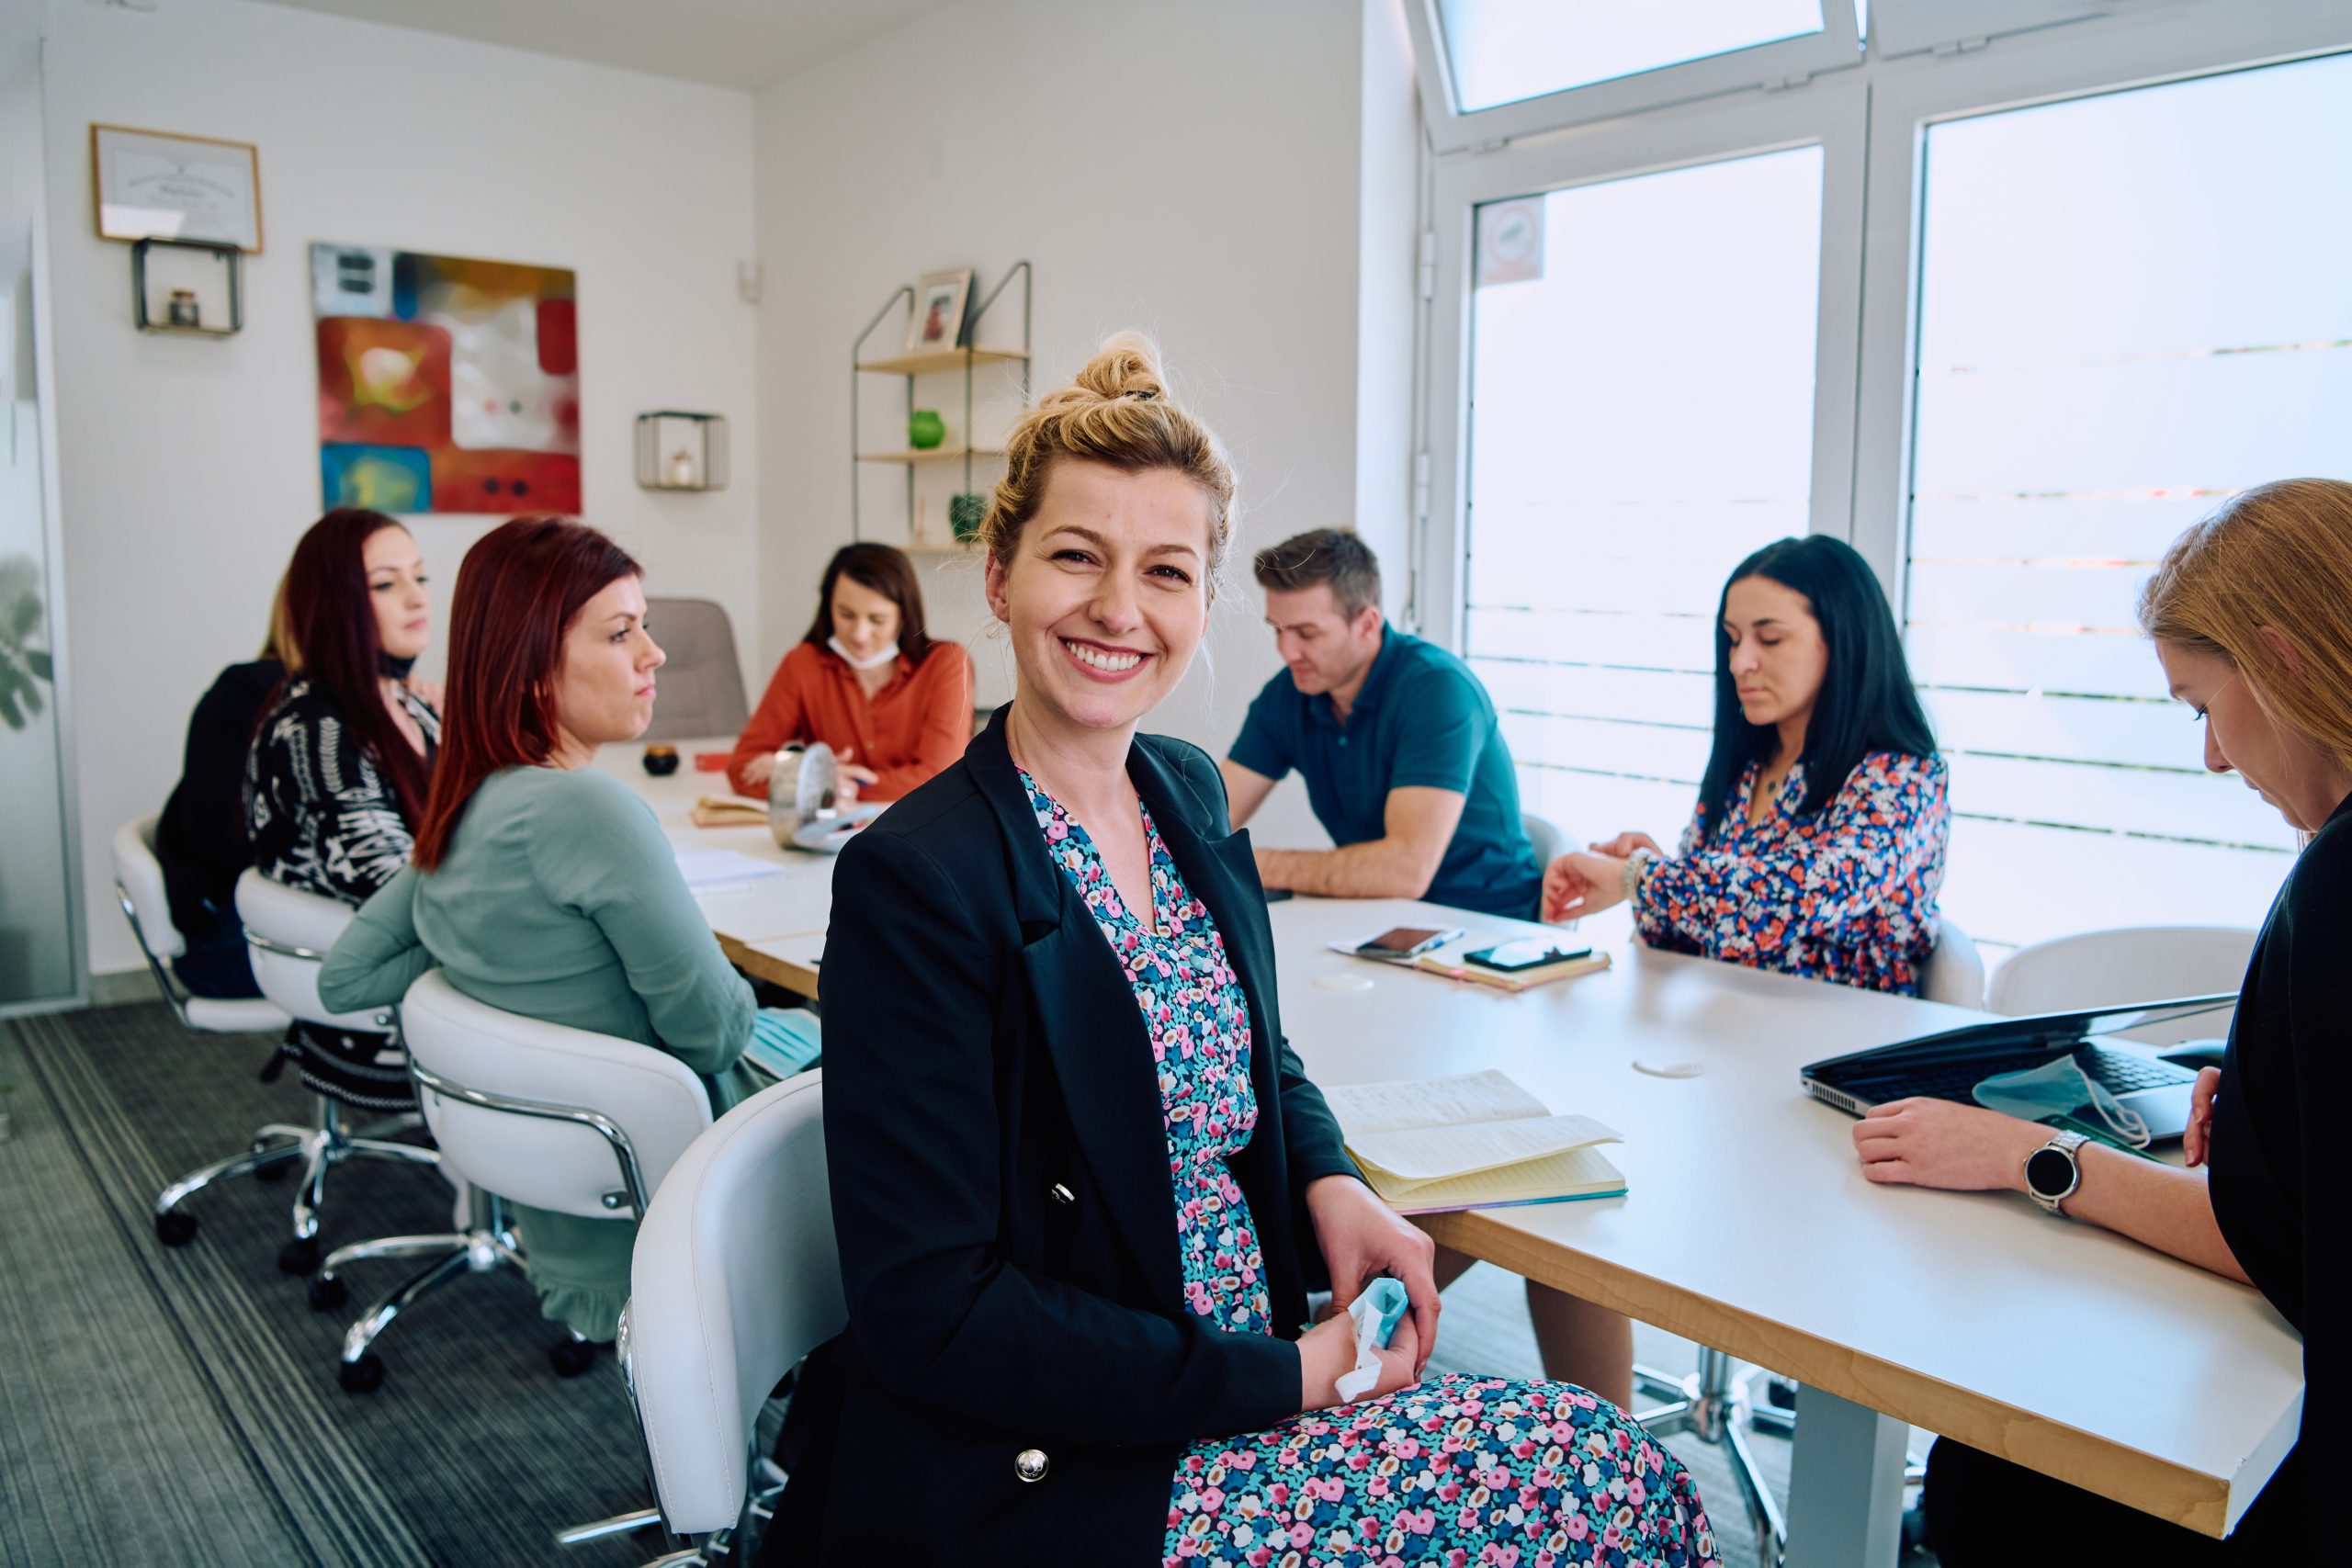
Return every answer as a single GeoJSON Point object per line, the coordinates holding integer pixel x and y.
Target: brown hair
{"type": "Point", "coordinates": [518, 590]}
{"type": "Point", "coordinates": [885, 570]}
{"type": "Point", "coordinates": [1335, 556]}
{"type": "Point", "coordinates": [1117, 412]}
{"type": "Point", "coordinates": [2277, 555]}
{"type": "Point", "coordinates": [325, 626]}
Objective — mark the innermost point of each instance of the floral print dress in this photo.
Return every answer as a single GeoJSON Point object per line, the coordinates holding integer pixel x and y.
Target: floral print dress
{"type": "Point", "coordinates": [1456, 1470]}
{"type": "Point", "coordinates": [1846, 895]}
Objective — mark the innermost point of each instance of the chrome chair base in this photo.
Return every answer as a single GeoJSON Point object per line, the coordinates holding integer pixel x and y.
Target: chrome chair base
{"type": "Point", "coordinates": [486, 1245]}
{"type": "Point", "coordinates": [320, 1146]}
{"type": "Point", "coordinates": [1717, 1404]}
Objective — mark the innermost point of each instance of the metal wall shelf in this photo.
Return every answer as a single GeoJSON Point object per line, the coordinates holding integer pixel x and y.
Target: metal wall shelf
{"type": "Point", "coordinates": [960, 360]}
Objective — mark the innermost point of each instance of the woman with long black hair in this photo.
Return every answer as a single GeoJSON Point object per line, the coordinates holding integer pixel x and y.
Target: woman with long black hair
{"type": "Point", "coordinates": [1817, 844]}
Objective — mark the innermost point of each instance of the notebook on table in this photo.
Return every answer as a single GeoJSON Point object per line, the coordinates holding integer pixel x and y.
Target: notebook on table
{"type": "Point", "coordinates": [1475, 1141]}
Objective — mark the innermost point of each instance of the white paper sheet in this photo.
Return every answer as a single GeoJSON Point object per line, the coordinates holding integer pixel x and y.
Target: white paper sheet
{"type": "Point", "coordinates": [1365, 1108]}
{"type": "Point", "coordinates": [1427, 1154]}
{"type": "Point", "coordinates": [717, 868]}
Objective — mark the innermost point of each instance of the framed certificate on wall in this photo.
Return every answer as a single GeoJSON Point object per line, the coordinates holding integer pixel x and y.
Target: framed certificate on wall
{"type": "Point", "coordinates": [150, 184]}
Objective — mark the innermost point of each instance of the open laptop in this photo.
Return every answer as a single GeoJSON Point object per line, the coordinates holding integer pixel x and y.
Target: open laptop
{"type": "Point", "coordinates": [1947, 1066]}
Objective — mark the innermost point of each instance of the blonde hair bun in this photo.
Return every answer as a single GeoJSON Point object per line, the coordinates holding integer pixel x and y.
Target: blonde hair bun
{"type": "Point", "coordinates": [1127, 365]}
{"type": "Point", "coordinates": [1115, 411]}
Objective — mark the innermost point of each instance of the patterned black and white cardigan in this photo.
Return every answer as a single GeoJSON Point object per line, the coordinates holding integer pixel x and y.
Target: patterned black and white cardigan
{"type": "Point", "coordinates": [322, 817]}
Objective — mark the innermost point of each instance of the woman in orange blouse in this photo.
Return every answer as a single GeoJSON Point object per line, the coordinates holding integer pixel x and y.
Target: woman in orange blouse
{"type": "Point", "coordinates": [895, 705]}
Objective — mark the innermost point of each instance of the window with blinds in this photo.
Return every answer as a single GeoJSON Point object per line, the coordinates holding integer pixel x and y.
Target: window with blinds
{"type": "Point", "coordinates": [1641, 418]}
{"type": "Point", "coordinates": [2131, 307]}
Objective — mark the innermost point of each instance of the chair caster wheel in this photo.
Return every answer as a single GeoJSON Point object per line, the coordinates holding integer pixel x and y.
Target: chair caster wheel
{"type": "Point", "coordinates": [298, 1256]}
{"type": "Point", "coordinates": [274, 1172]}
{"type": "Point", "coordinates": [573, 1358]}
{"type": "Point", "coordinates": [328, 1293]}
{"type": "Point", "coordinates": [173, 1227]}
{"type": "Point", "coordinates": [365, 1375]}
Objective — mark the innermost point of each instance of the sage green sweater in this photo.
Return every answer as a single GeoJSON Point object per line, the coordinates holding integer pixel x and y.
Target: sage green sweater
{"type": "Point", "coordinates": [559, 898]}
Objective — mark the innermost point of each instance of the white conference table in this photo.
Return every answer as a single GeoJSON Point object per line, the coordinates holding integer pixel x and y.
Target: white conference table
{"type": "Point", "coordinates": [773, 927]}
{"type": "Point", "coordinates": [1747, 1225]}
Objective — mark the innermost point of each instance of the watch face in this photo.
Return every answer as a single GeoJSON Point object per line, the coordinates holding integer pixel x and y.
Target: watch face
{"type": "Point", "coordinates": [2048, 1172]}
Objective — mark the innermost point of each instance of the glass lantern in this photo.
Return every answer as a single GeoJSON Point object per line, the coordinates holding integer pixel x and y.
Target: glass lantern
{"type": "Point", "coordinates": [680, 451]}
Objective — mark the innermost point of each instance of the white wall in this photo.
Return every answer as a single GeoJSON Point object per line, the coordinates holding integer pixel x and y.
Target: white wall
{"type": "Point", "coordinates": [1194, 171]}
{"type": "Point", "coordinates": [188, 467]}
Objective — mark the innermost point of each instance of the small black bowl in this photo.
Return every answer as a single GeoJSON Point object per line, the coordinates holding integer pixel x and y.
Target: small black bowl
{"type": "Point", "coordinates": [661, 761]}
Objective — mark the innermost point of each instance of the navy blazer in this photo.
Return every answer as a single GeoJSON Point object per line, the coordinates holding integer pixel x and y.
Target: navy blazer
{"type": "Point", "coordinates": [1000, 1187]}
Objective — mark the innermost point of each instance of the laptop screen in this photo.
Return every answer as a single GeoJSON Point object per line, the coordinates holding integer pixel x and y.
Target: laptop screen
{"type": "Point", "coordinates": [2011, 1033]}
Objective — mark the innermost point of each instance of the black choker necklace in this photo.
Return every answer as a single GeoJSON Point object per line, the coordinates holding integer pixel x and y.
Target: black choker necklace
{"type": "Point", "coordinates": [393, 669]}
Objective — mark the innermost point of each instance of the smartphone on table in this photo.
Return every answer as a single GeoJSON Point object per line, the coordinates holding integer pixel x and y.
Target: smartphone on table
{"type": "Point", "coordinates": [1406, 942]}
{"type": "Point", "coordinates": [1508, 957]}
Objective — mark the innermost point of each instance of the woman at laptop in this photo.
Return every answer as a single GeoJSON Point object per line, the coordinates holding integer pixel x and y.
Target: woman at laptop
{"type": "Point", "coordinates": [1817, 844]}
{"type": "Point", "coordinates": [2251, 615]}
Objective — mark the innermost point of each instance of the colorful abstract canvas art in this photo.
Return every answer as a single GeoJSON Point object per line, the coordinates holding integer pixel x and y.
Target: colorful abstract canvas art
{"type": "Point", "coordinates": [446, 384]}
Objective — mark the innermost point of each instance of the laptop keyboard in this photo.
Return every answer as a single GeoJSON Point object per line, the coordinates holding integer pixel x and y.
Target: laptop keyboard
{"type": "Point", "coordinates": [2120, 1072]}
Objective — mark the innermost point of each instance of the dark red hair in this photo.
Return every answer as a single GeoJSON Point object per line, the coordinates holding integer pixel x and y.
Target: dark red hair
{"type": "Point", "coordinates": [330, 618]}
{"type": "Point", "coordinates": [518, 591]}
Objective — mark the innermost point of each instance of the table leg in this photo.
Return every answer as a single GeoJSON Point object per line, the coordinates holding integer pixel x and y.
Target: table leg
{"type": "Point", "coordinates": [1845, 1485]}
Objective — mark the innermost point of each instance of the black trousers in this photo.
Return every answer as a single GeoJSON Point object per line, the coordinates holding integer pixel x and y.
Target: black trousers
{"type": "Point", "coordinates": [1983, 1510]}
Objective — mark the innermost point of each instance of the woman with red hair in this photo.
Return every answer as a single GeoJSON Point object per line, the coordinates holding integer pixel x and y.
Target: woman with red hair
{"type": "Point", "coordinates": [541, 885]}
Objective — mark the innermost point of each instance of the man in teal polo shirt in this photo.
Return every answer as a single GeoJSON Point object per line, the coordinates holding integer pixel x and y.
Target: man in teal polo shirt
{"type": "Point", "coordinates": [1404, 760]}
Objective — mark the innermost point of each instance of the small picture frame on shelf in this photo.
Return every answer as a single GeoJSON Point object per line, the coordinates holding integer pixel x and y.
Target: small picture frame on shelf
{"type": "Point", "coordinates": [938, 319]}
{"type": "Point", "coordinates": [151, 184]}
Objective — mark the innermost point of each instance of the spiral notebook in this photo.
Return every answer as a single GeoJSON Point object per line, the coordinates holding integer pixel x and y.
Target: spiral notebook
{"type": "Point", "coordinates": [1475, 1141]}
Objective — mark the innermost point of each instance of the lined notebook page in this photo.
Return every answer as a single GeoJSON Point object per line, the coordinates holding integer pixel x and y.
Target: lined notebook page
{"type": "Point", "coordinates": [1367, 1109]}
{"type": "Point", "coordinates": [1427, 1154]}
{"type": "Point", "coordinates": [1578, 1173]}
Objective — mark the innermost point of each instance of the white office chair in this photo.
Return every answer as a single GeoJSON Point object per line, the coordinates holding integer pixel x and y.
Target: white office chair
{"type": "Point", "coordinates": [2130, 964]}
{"type": "Point", "coordinates": [1545, 835]}
{"type": "Point", "coordinates": [735, 1279]}
{"type": "Point", "coordinates": [529, 1113]}
{"type": "Point", "coordinates": [289, 934]}
{"type": "Point", "coordinates": [139, 888]}
{"type": "Point", "coordinates": [1955, 971]}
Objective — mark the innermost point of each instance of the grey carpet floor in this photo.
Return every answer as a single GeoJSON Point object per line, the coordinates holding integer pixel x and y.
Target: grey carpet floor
{"type": "Point", "coordinates": [172, 1405]}
{"type": "Point", "coordinates": [180, 1405]}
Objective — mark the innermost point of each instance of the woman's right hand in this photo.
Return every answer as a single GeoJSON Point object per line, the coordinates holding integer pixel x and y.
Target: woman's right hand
{"type": "Point", "coordinates": [1327, 1353]}
{"type": "Point", "coordinates": [2197, 1141]}
{"type": "Point", "coordinates": [1623, 846]}
{"type": "Point", "coordinates": [759, 770]}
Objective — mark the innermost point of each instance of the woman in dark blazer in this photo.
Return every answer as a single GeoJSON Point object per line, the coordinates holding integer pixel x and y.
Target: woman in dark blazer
{"type": "Point", "coordinates": [1080, 1181]}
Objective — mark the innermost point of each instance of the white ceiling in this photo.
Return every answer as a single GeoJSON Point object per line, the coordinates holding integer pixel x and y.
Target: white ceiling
{"type": "Point", "coordinates": [732, 43]}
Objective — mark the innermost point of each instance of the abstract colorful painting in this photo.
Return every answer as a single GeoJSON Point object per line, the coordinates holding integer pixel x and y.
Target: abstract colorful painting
{"type": "Point", "coordinates": [444, 384]}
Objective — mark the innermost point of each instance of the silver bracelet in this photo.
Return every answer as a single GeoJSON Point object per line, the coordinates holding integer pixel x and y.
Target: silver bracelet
{"type": "Point", "coordinates": [1638, 864]}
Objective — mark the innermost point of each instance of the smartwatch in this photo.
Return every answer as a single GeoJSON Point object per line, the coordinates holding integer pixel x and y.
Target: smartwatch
{"type": "Point", "coordinates": [2052, 1172]}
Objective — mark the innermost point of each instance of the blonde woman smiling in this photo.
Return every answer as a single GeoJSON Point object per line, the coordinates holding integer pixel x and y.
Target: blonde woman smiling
{"type": "Point", "coordinates": [1080, 1179]}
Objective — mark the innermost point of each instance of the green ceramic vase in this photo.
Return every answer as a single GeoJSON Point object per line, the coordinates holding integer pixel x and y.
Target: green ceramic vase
{"type": "Point", "coordinates": [926, 429]}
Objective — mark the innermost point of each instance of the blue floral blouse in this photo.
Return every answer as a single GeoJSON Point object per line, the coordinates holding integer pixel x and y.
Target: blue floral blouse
{"type": "Point", "coordinates": [1847, 895]}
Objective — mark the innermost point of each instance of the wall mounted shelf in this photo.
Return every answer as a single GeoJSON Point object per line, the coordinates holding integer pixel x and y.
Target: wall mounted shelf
{"type": "Point", "coordinates": [960, 361]}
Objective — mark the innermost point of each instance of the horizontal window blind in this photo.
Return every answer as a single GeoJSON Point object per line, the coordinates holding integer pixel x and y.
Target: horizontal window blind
{"type": "Point", "coordinates": [1641, 419]}
{"type": "Point", "coordinates": [2132, 306]}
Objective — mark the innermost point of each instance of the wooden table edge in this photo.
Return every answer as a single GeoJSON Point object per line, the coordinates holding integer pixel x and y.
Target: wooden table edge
{"type": "Point", "coordinates": [799, 978]}
{"type": "Point", "coordinates": [2126, 1476]}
